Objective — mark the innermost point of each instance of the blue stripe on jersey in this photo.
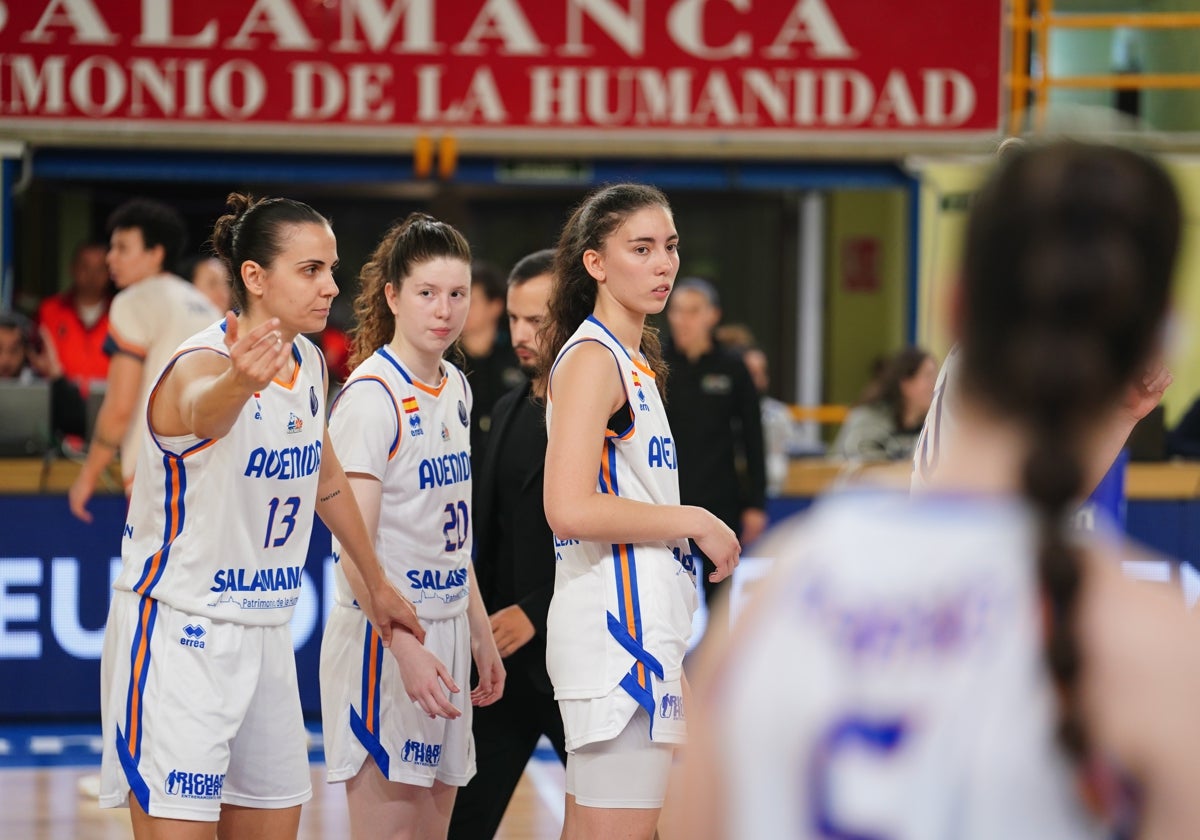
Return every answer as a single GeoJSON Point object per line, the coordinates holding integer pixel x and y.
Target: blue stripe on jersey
{"type": "Point", "coordinates": [174, 489]}
{"type": "Point", "coordinates": [137, 785]}
{"type": "Point", "coordinates": [130, 742]}
{"type": "Point", "coordinates": [607, 480]}
{"type": "Point", "coordinates": [608, 332]}
{"type": "Point", "coordinates": [391, 397]}
{"type": "Point", "coordinates": [387, 354]}
{"type": "Point", "coordinates": [366, 726]}
{"type": "Point", "coordinates": [642, 694]}
{"type": "Point", "coordinates": [630, 644]}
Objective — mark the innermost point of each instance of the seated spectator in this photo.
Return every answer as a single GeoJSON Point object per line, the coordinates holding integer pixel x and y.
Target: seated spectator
{"type": "Point", "coordinates": [211, 279]}
{"type": "Point", "coordinates": [26, 358]}
{"type": "Point", "coordinates": [885, 424]}
{"type": "Point", "coordinates": [779, 429]}
{"type": "Point", "coordinates": [75, 321]}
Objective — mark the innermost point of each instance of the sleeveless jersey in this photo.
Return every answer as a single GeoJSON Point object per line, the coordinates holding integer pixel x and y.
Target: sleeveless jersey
{"type": "Point", "coordinates": [622, 613]}
{"type": "Point", "coordinates": [220, 527]}
{"type": "Point", "coordinates": [416, 440]}
{"type": "Point", "coordinates": [891, 682]}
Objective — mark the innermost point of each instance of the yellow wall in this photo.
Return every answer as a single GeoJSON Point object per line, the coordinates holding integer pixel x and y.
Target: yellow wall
{"type": "Point", "coordinates": [945, 190]}
{"type": "Point", "coordinates": [863, 325]}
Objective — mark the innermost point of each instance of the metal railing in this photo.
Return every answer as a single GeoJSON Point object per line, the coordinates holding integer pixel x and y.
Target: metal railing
{"type": "Point", "coordinates": [1025, 23]}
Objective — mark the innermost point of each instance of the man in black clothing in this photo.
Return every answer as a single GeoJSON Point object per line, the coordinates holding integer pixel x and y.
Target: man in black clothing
{"type": "Point", "coordinates": [514, 565]}
{"type": "Point", "coordinates": [490, 365]}
{"type": "Point", "coordinates": [713, 408]}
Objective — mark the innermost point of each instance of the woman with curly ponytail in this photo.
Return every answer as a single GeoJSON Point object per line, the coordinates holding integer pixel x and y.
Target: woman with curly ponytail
{"type": "Point", "coordinates": [401, 424]}
{"type": "Point", "coordinates": [625, 588]}
{"type": "Point", "coordinates": [202, 718]}
{"type": "Point", "coordinates": [962, 662]}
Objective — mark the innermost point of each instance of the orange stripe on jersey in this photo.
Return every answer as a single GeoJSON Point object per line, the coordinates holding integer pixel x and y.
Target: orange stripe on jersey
{"type": "Point", "coordinates": [604, 471]}
{"type": "Point", "coordinates": [139, 663]}
{"type": "Point", "coordinates": [643, 368]}
{"type": "Point", "coordinates": [369, 713]}
{"type": "Point", "coordinates": [433, 392]}
{"type": "Point", "coordinates": [630, 624]}
{"type": "Point", "coordinates": [151, 575]}
{"type": "Point", "coordinates": [396, 443]}
{"type": "Point", "coordinates": [295, 375]}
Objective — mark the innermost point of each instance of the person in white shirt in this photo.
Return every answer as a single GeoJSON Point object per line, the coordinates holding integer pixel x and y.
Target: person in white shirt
{"type": "Point", "coordinates": [961, 662]}
{"type": "Point", "coordinates": [153, 311]}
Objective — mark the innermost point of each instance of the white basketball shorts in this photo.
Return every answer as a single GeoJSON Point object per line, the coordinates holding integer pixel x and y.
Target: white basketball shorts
{"type": "Point", "coordinates": [366, 711]}
{"type": "Point", "coordinates": [198, 712]}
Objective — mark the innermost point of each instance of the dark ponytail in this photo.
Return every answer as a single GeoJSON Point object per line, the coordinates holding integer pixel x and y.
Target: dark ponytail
{"type": "Point", "coordinates": [1069, 255]}
{"type": "Point", "coordinates": [253, 230]}
{"type": "Point", "coordinates": [573, 296]}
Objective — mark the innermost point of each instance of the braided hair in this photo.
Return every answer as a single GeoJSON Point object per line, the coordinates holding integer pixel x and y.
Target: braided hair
{"type": "Point", "coordinates": [1069, 254]}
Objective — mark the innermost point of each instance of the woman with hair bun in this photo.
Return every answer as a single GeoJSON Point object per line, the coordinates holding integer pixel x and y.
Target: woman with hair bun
{"type": "Point", "coordinates": [961, 662]}
{"type": "Point", "coordinates": [398, 727]}
{"type": "Point", "coordinates": [203, 731]}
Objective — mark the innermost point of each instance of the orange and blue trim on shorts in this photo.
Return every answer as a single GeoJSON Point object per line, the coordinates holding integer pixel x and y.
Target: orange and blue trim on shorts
{"type": "Point", "coordinates": [129, 741]}
{"type": "Point", "coordinates": [365, 726]}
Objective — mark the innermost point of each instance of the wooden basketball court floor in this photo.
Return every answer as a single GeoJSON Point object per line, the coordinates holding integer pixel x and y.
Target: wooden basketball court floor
{"type": "Point", "coordinates": [45, 803]}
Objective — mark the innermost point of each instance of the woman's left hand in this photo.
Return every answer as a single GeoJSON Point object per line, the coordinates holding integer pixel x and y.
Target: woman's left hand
{"type": "Point", "coordinates": [491, 671]}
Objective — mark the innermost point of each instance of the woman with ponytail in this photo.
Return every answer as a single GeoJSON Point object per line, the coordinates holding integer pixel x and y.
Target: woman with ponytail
{"type": "Point", "coordinates": [398, 726]}
{"type": "Point", "coordinates": [625, 588]}
{"type": "Point", "coordinates": [961, 663]}
{"type": "Point", "coordinates": [203, 731]}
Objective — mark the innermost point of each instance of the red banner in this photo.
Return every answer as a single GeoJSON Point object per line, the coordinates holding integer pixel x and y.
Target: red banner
{"type": "Point", "coordinates": [662, 68]}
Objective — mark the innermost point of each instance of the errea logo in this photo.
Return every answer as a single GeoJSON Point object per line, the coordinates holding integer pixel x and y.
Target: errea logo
{"type": "Point", "coordinates": [193, 635]}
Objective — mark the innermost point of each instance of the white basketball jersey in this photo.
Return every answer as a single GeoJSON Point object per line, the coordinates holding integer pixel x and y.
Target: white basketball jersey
{"type": "Point", "coordinates": [148, 321]}
{"type": "Point", "coordinates": [416, 439]}
{"type": "Point", "coordinates": [892, 684]}
{"type": "Point", "coordinates": [940, 423]}
{"type": "Point", "coordinates": [622, 614]}
{"type": "Point", "coordinates": [220, 527]}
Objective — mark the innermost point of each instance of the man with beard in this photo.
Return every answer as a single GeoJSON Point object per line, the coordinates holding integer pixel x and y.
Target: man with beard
{"type": "Point", "coordinates": [514, 566]}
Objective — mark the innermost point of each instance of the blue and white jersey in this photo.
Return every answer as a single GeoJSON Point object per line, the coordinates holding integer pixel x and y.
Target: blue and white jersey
{"type": "Point", "coordinates": [622, 613]}
{"type": "Point", "coordinates": [416, 439]}
{"type": "Point", "coordinates": [891, 681]}
{"type": "Point", "coordinates": [220, 527]}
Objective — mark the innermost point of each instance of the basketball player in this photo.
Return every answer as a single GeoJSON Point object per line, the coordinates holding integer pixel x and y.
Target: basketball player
{"type": "Point", "coordinates": [398, 727]}
{"type": "Point", "coordinates": [153, 311]}
{"type": "Point", "coordinates": [943, 437]}
{"type": "Point", "coordinates": [960, 663]}
{"type": "Point", "coordinates": [203, 732]}
{"type": "Point", "coordinates": [625, 589]}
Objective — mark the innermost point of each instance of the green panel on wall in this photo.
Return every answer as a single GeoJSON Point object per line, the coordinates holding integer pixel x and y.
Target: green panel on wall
{"type": "Point", "coordinates": [865, 286]}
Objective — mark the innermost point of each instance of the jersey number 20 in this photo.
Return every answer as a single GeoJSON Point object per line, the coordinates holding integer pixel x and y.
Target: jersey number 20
{"type": "Point", "coordinates": [456, 527]}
